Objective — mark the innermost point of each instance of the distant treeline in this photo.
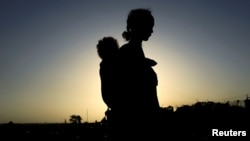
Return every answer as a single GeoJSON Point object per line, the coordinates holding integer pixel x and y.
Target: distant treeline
{"type": "Point", "coordinates": [197, 121]}
{"type": "Point", "coordinates": [194, 122]}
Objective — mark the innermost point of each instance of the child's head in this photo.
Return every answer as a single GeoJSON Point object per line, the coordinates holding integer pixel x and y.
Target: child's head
{"type": "Point", "coordinates": [107, 47]}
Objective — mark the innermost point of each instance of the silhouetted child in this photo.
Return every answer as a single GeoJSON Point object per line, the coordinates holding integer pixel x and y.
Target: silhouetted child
{"type": "Point", "coordinates": [107, 49]}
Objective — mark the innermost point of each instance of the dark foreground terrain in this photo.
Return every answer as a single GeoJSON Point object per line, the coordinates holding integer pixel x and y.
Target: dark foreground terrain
{"type": "Point", "coordinates": [196, 122]}
{"type": "Point", "coordinates": [49, 131]}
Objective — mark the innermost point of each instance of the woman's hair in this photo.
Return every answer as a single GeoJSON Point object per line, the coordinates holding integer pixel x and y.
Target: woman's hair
{"type": "Point", "coordinates": [137, 18]}
{"type": "Point", "coordinates": [107, 47]}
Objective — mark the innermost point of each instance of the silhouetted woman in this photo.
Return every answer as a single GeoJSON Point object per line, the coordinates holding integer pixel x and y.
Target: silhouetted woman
{"type": "Point", "coordinates": [136, 108]}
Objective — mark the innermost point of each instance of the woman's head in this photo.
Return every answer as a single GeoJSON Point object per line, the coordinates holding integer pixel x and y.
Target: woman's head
{"type": "Point", "coordinates": [140, 23]}
{"type": "Point", "coordinates": [107, 47]}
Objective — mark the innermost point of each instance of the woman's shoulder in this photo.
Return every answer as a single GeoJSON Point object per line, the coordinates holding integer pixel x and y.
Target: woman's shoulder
{"type": "Point", "coordinates": [124, 47]}
{"type": "Point", "coordinates": [122, 50]}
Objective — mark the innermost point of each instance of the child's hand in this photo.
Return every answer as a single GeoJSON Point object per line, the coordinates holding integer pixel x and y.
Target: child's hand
{"type": "Point", "coordinates": [150, 62]}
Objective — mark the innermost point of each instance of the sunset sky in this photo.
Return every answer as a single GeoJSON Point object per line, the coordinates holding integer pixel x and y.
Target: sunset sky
{"type": "Point", "coordinates": [49, 67]}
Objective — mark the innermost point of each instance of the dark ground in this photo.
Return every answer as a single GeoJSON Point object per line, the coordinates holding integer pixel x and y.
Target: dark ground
{"type": "Point", "coordinates": [188, 122]}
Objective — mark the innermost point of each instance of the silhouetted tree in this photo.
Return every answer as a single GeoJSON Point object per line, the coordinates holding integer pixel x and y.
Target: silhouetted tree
{"type": "Point", "coordinates": [75, 119]}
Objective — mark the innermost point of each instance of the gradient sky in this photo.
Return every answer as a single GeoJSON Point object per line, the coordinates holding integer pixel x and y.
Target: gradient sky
{"type": "Point", "coordinates": [49, 68]}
